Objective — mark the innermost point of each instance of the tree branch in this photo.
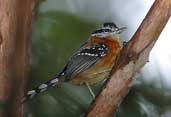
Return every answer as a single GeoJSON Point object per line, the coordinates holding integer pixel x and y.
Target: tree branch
{"type": "Point", "coordinates": [15, 26]}
{"type": "Point", "coordinates": [132, 58]}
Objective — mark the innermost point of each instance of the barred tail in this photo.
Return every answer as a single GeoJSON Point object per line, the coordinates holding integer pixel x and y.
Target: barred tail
{"type": "Point", "coordinates": [41, 88]}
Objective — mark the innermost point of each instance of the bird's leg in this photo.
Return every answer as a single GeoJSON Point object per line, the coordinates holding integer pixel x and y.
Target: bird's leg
{"type": "Point", "coordinates": [90, 90]}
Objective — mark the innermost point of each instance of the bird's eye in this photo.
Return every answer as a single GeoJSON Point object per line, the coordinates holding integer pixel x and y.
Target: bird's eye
{"type": "Point", "coordinates": [107, 30]}
{"type": "Point", "coordinates": [101, 31]}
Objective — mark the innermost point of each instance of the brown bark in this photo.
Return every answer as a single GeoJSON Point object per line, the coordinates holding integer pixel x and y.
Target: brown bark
{"type": "Point", "coordinates": [15, 26]}
{"type": "Point", "coordinates": [132, 57]}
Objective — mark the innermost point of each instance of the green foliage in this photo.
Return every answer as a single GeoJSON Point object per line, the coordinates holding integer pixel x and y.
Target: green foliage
{"type": "Point", "coordinates": [2, 105]}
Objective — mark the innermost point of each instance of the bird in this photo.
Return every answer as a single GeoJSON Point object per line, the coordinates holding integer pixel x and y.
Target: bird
{"type": "Point", "coordinates": [91, 63]}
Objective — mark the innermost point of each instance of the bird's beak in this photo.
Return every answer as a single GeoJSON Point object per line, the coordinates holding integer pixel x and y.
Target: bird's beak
{"type": "Point", "coordinates": [120, 30]}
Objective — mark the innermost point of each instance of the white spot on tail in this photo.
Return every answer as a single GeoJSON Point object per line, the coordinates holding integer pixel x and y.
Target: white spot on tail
{"type": "Point", "coordinates": [54, 81]}
{"type": "Point", "coordinates": [63, 74]}
{"type": "Point", "coordinates": [31, 93]}
{"type": "Point", "coordinates": [43, 87]}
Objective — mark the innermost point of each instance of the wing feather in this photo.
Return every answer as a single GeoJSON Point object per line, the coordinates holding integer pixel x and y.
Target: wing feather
{"type": "Point", "coordinates": [84, 58]}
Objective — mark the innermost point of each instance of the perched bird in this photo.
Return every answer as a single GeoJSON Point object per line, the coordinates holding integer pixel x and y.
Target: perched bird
{"type": "Point", "coordinates": [91, 63]}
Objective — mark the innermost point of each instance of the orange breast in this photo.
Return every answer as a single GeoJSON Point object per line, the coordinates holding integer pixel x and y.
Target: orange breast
{"type": "Point", "coordinates": [102, 68]}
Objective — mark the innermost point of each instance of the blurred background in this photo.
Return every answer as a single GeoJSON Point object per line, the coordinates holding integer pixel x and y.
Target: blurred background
{"type": "Point", "coordinates": [61, 26]}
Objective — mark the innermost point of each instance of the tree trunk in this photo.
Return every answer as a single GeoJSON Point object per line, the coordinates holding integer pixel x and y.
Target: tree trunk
{"type": "Point", "coordinates": [15, 27]}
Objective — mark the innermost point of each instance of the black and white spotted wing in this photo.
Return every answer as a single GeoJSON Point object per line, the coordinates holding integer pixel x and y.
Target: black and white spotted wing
{"type": "Point", "coordinates": [85, 58]}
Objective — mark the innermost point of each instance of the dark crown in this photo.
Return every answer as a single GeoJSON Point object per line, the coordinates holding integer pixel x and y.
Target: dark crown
{"type": "Point", "coordinates": [110, 25]}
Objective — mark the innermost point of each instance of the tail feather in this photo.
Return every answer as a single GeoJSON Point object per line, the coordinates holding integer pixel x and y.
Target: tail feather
{"type": "Point", "coordinates": [41, 88]}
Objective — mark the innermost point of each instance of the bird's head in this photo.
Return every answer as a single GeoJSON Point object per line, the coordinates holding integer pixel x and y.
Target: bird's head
{"type": "Point", "coordinates": [107, 29]}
